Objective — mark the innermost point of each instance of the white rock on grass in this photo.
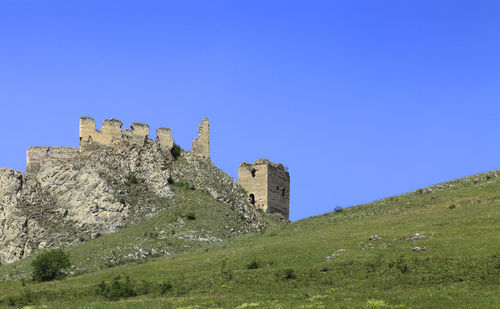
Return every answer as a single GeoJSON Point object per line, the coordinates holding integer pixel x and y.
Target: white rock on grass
{"type": "Point", "coordinates": [334, 255]}
{"type": "Point", "coordinates": [416, 236]}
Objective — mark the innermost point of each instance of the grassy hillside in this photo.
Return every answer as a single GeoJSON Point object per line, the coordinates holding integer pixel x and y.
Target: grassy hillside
{"type": "Point", "coordinates": [192, 220]}
{"type": "Point", "coordinates": [288, 267]}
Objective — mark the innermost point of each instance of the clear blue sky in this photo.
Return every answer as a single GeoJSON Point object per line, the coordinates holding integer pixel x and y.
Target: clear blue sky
{"type": "Point", "coordinates": [360, 99]}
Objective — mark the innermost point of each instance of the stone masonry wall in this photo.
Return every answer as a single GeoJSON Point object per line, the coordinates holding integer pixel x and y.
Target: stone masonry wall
{"type": "Point", "coordinates": [111, 131]}
{"type": "Point", "coordinates": [253, 178]}
{"type": "Point", "coordinates": [201, 144]}
{"type": "Point", "coordinates": [269, 183]}
{"type": "Point", "coordinates": [278, 193]}
{"type": "Point", "coordinates": [37, 156]}
{"type": "Point", "coordinates": [164, 139]}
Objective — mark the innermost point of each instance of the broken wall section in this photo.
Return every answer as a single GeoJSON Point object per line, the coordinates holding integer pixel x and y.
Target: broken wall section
{"type": "Point", "coordinates": [164, 139]}
{"type": "Point", "coordinates": [111, 131]}
{"type": "Point", "coordinates": [39, 155]}
{"type": "Point", "coordinates": [201, 144]}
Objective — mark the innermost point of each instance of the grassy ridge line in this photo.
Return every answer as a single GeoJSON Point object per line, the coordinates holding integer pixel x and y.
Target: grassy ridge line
{"type": "Point", "coordinates": [452, 192]}
{"type": "Point", "coordinates": [461, 268]}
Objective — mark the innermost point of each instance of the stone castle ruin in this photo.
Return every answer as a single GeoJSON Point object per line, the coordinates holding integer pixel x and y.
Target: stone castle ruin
{"type": "Point", "coordinates": [267, 183]}
{"type": "Point", "coordinates": [111, 133]}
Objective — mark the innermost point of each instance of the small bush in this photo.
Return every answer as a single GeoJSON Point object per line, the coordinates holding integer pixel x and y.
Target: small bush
{"type": "Point", "coordinates": [132, 179]}
{"type": "Point", "coordinates": [253, 265]}
{"type": "Point", "coordinates": [191, 216]}
{"type": "Point", "coordinates": [185, 185]}
{"type": "Point", "coordinates": [49, 265]}
{"type": "Point", "coordinates": [175, 151]}
{"type": "Point", "coordinates": [402, 266]}
{"type": "Point", "coordinates": [154, 235]}
{"type": "Point", "coordinates": [26, 298]}
{"type": "Point", "coordinates": [226, 270]}
{"type": "Point", "coordinates": [165, 287]}
{"type": "Point", "coordinates": [290, 274]}
{"type": "Point", "coordinates": [452, 206]}
{"type": "Point", "coordinates": [117, 289]}
{"type": "Point", "coordinates": [286, 274]}
{"type": "Point", "coordinates": [338, 209]}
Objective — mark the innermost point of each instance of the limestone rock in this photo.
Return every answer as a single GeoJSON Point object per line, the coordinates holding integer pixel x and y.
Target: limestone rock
{"type": "Point", "coordinates": [334, 255]}
{"type": "Point", "coordinates": [415, 237]}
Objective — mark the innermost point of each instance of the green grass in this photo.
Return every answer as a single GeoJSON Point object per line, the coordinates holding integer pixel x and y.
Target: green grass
{"type": "Point", "coordinates": [170, 232]}
{"type": "Point", "coordinates": [461, 268]}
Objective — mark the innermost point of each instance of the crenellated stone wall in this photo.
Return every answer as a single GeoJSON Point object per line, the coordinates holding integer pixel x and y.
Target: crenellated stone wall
{"type": "Point", "coordinates": [267, 185]}
{"type": "Point", "coordinates": [201, 144]}
{"type": "Point", "coordinates": [111, 132]}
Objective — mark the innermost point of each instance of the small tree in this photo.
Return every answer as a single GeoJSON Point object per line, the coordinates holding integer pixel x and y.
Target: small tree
{"type": "Point", "coordinates": [176, 151]}
{"type": "Point", "coordinates": [49, 265]}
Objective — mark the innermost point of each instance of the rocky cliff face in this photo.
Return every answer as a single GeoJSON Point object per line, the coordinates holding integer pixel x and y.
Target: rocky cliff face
{"type": "Point", "coordinates": [102, 191]}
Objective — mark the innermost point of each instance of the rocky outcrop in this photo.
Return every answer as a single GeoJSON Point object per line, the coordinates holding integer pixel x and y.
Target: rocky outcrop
{"type": "Point", "coordinates": [68, 201]}
{"type": "Point", "coordinates": [20, 233]}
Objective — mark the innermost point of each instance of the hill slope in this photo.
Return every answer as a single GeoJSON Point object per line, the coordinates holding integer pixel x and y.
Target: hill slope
{"type": "Point", "coordinates": [326, 261]}
{"type": "Point", "coordinates": [114, 188]}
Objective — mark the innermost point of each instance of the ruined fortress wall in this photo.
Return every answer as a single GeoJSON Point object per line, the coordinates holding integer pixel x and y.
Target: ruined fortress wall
{"type": "Point", "coordinates": [91, 138]}
{"type": "Point", "coordinates": [111, 131]}
{"type": "Point", "coordinates": [164, 139]}
{"type": "Point", "coordinates": [201, 144]}
{"type": "Point", "coordinates": [37, 156]}
{"type": "Point", "coordinates": [253, 178]}
{"type": "Point", "coordinates": [278, 189]}
{"type": "Point", "coordinates": [137, 134]}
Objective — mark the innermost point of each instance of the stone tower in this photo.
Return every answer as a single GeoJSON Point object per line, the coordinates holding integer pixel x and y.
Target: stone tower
{"type": "Point", "coordinates": [267, 185]}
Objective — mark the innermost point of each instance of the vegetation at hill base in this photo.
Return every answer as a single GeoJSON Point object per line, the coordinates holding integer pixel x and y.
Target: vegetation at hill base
{"type": "Point", "coordinates": [437, 247]}
{"type": "Point", "coordinates": [50, 265]}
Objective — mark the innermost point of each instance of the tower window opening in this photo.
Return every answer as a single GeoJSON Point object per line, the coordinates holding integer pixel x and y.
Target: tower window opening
{"type": "Point", "coordinates": [253, 172]}
{"type": "Point", "coordinates": [252, 199]}
{"type": "Point", "coordinates": [283, 192]}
